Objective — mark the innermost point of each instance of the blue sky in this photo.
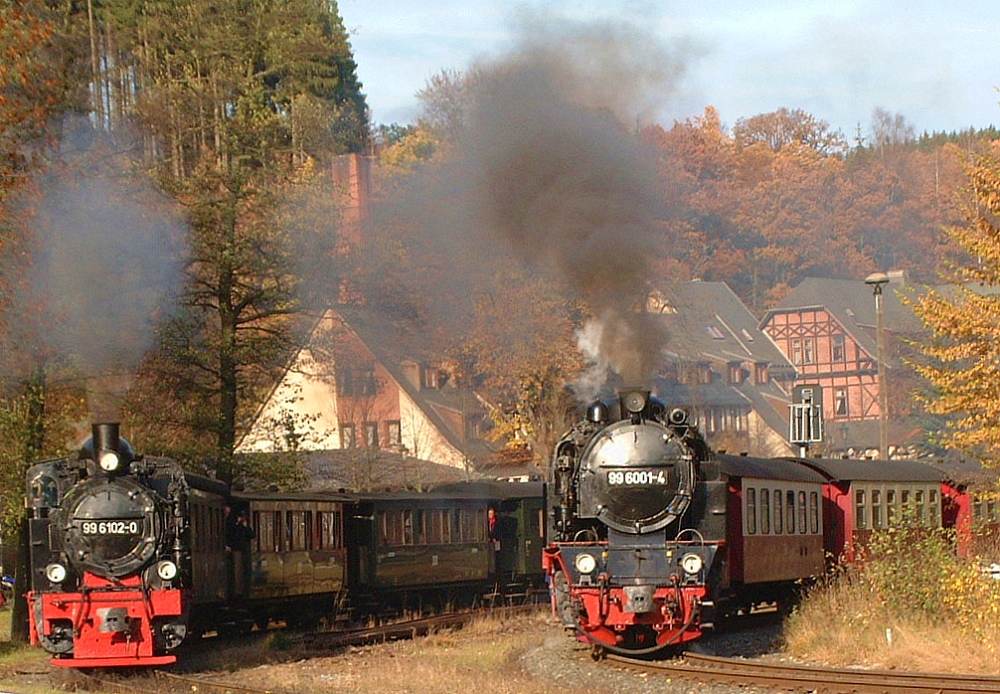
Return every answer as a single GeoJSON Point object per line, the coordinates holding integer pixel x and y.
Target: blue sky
{"type": "Point", "coordinates": [936, 63]}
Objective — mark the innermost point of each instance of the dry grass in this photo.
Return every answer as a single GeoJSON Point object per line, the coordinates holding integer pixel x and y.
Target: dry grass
{"type": "Point", "coordinates": [912, 606]}
{"type": "Point", "coordinates": [839, 627]}
{"type": "Point", "coordinates": [482, 657]}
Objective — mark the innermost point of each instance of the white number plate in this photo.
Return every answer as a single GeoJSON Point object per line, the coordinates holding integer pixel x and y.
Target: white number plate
{"type": "Point", "coordinates": [637, 477]}
{"type": "Point", "coordinates": [129, 527]}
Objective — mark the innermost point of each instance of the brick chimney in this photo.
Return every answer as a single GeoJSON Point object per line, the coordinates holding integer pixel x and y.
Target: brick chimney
{"type": "Point", "coordinates": [352, 187]}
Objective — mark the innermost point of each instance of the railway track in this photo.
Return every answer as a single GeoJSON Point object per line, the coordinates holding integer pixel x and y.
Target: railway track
{"type": "Point", "coordinates": [738, 671]}
{"type": "Point", "coordinates": [309, 644]}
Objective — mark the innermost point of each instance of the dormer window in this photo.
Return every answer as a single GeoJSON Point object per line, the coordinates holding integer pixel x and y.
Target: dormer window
{"type": "Point", "coordinates": [736, 373]}
{"type": "Point", "coordinates": [761, 373]}
{"type": "Point", "coordinates": [432, 378]}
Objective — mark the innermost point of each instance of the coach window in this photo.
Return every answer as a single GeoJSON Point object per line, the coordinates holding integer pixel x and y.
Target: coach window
{"type": "Point", "coordinates": [266, 527]}
{"type": "Point", "coordinates": [392, 527]}
{"type": "Point", "coordinates": [935, 508]}
{"type": "Point", "coordinates": [814, 512]}
{"type": "Point", "coordinates": [480, 526]}
{"type": "Point", "coordinates": [803, 510]}
{"type": "Point", "coordinates": [328, 525]}
{"type": "Point", "coordinates": [918, 497]}
{"type": "Point", "coordinates": [456, 525]}
{"type": "Point", "coordinates": [298, 526]}
{"type": "Point", "coordinates": [765, 511]}
{"type": "Point", "coordinates": [407, 527]}
{"type": "Point", "coordinates": [876, 508]}
{"type": "Point", "coordinates": [790, 512]}
{"type": "Point", "coordinates": [419, 527]}
{"type": "Point", "coordinates": [777, 512]}
{"type": "Point", "coordinates": [890, 505]}
{"type": "Point", "coordinates": [435, 528]}
{"type": "Point", "coordinates": [751, 511]}
{"type": "Point", "coordinates": [860, 517]}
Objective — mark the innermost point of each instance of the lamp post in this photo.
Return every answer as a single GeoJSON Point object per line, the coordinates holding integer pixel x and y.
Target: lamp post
{"type": "Point", "coordinates": [876, 281]}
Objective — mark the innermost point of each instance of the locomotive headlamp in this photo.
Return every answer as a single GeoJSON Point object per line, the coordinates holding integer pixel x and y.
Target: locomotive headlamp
{"type": "Point", "coordinates": [166, 570]}
{"type": "Point", "coordinates": [109, 461]}
{"type": "Point", "coordinates": [634, 402]}
{"type": "Point", "coordinates": [585, 563]}
{"type": "Point", "coordinates": [691, 563]}
{"type": "Point", "coordinates": [56, 573]}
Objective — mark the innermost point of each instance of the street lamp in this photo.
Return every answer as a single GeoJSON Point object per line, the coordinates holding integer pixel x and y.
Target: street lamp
{"type": "Point", "coordinates": [876, 281]}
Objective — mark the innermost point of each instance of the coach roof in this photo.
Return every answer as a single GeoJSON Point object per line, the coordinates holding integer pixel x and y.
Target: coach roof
{"type": "Point", "coordinates": [845, 470]}
{"type": "Point", "coordinates": [788, 469]}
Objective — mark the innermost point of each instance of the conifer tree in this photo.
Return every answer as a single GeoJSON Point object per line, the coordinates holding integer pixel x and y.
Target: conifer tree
{"type": "Point", "coordinates": [964, 351]}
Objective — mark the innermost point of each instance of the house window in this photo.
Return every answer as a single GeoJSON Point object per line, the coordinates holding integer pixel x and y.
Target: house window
{"type": "Point", "coordinates": [705, 372]}
{"type": "Point", "coordinates": [371, 434]}
{"type": "Point", "coordinates": [395, 433]}
{"type": "Point", "coordinates": [347, 439]}
{"type": "Point", "coordinates": [840, 402]}
{"type": "Point", "coordinates": [368, 385]}
{"type": "Point", "coordinates": [838, 348]}
{"type": "Point", "coordinates": [735, 373]}
{"type": "Point", "coordinates": [431, 378]}
{"type": "Point", "coordinates": [345, 382]}
{"type": "Point", "coordinates": [761, 374]}
{"type": "Point", "coordinates": [803, 351]}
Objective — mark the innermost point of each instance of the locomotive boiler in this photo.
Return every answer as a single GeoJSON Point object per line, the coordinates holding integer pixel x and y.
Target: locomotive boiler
{"type": "Point", "coordinates": [637, 515]}
{"type": "Point", "coordinates": [109, 555]}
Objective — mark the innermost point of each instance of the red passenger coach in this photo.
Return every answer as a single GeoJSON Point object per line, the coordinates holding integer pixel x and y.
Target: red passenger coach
{"type": "Point", "coordinates": [774, 532]}
{"type": "Point", "coordinates": [865, 495]}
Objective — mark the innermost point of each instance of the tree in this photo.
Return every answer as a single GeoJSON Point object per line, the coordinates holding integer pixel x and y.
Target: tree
{"type": "Point", "coordinates": [524, 341]}
{"type": "Point", "coordinates": [240, 106]}
{"type": "Point", "coordinates": [785, 128]}
{"type": "Point", "coordinates": [964, 351]}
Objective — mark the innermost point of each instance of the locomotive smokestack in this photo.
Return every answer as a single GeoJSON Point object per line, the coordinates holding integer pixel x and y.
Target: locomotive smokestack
{"type": "Point", "coordinates": [106, 437]}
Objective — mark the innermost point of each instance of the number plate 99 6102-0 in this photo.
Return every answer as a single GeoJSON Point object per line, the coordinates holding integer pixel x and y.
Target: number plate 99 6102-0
{"type": "Point", "coordinates": [112, 527]}
{"type": "Point", "coordinates": [637, 477]}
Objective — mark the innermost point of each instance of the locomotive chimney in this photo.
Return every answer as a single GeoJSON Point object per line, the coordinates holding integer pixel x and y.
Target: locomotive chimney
{"type": "Point", "coordinates": [105, 437]}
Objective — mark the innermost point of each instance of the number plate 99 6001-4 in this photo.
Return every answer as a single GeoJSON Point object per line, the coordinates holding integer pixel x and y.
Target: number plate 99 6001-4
{"type": "Point", "coordinates": [637, 477]}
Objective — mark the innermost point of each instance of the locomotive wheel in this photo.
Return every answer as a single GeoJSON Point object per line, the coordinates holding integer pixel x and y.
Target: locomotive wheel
{"type": "Point", "coordinates": [596, 652]}
{"type": "Point", "coordinates": [564, 602]}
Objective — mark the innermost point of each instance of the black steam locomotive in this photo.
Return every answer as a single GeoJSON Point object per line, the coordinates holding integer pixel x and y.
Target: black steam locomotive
{"type": "Point", "coordinates": [110, 552]}
{"type": "Point", "coordinates": [634, 530]}
{"type": "Point", "coordinates": [130, 555]}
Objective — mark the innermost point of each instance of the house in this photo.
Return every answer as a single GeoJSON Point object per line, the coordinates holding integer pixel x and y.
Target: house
{"type": "Point", "coordinates": [827, 329]}
{"type": "Point", "coordinates": [365, 382]}
{"type": "Point", "coordinates": [718, 364]}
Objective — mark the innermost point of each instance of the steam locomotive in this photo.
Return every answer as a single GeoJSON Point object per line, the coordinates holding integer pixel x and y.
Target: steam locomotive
{"type": "Point", "coordinates": [130, 556]}
{"type": "Point", "coordinates": [652, 536]}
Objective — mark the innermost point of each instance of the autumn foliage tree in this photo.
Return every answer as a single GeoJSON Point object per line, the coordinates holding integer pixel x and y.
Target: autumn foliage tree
{"type": "Point", "coordinates": [964, 353]}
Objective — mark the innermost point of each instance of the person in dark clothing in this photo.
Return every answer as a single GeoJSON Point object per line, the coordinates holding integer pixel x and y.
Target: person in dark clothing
{"type": "Point", "coordinates": [494, 535]}
{"type": "Point", "coordinates": [243, 533]}
{"type": "Point", "coordinates": [239, 536]}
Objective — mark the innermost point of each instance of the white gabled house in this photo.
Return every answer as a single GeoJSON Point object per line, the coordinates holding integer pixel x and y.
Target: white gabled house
{"type": "Point", "coordinates": [363, 381]}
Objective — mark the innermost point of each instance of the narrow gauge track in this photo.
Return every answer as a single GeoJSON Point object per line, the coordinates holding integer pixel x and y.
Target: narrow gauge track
{"type": "Point", "coordinates": [704, 668]}
{"type": "Point", "coordinates": [315, 643]}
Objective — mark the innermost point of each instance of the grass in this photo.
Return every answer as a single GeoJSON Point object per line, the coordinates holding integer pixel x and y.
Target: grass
{"type": "Point", "coordinates": [911, 605]}
{"type": "Point", "coordinates": [482, 657]}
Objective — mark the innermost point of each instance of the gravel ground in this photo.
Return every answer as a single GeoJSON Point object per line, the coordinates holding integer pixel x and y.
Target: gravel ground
{"type": "Point", "coordinates": [567, 661]}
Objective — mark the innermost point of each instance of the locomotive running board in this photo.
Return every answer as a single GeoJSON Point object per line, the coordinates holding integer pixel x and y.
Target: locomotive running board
{"type": "Point", "coordinates": [114, 662]}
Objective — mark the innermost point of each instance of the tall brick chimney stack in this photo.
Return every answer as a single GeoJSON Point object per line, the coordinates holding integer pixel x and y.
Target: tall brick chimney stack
{"type": "Point", "coordinates": [352, 186]}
